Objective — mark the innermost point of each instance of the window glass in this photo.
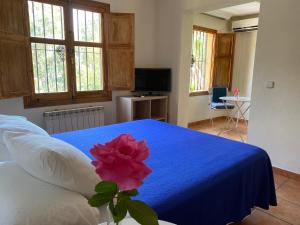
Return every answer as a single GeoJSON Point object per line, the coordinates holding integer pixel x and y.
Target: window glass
{"type": "Point", "coordinates": [46, 21]}
{"type": "Point", "coordinates": [202, 61]}
{"type": "Point", "coordinates": [89, 70]}
{"type": "Point", "coordinates": [87, 26]}
{"type": "Point", "coordinates": [49, 68]}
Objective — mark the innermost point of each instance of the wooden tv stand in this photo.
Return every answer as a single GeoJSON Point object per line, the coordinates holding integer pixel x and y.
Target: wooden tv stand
{"type": "Point", "coordinates": [131, 108]}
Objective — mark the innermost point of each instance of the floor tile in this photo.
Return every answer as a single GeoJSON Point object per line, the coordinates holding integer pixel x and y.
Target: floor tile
{"type": "Point", "coordinates": [286, 211]}
{"type": "Point", "coordinates": [279, 180]}
{"type": "Point", "coordinates": [219, 125]}
{"type": "Point", "coordinates": [290, 191]}
{"type": "Point", "coordinates": [260, 218]}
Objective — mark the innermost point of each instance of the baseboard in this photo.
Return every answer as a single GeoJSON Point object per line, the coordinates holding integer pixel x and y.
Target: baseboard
{"type": "Point", "coordinates": [201, 122]}
{"type": "Point", "coordinates": [286, 173]}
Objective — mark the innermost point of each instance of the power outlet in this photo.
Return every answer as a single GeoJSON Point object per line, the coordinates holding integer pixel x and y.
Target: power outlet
{"type": "Point", "coordinates": [270, 84]}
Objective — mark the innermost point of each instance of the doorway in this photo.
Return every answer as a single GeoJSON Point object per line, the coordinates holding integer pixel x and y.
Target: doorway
{"type": "Point", "coordinates": [223, 52]}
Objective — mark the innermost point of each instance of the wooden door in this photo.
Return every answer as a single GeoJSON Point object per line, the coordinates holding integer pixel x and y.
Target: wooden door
{"type": "Point", "coordinates": [224, 57]}
{"type": "Point", "coordinates": [119, 29]}
{"type": "Point", "coordinates": [15, 63]}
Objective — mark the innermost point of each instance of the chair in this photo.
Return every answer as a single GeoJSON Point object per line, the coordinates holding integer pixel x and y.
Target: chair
{"type": "Point", "coordinates": [216, 104]}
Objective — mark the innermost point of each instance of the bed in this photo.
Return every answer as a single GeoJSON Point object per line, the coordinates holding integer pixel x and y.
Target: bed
{"type": "Point", "coordinates": [197, 178]}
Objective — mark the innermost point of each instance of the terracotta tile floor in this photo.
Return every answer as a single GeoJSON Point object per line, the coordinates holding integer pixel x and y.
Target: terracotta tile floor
{"type": "Point", "coordinates": [288, 190]}
{"type": "Point", "coordinates": [219, 124]}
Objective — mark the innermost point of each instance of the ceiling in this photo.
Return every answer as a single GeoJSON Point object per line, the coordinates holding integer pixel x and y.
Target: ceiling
{"type": "Point", "coordinates": [238, 10]}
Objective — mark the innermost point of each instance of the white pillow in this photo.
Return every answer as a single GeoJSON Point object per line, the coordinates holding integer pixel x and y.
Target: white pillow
{"type": "Point", "coordinates": [4, 153]}
{"type": "Point", "coordinates": [9, 117]}
{"type": "Point", "coordinates": [53, 161]}
{"type": "Point", "coordinates": [26, 200]}
{"type": "Point", "coordinates": [19, 124]}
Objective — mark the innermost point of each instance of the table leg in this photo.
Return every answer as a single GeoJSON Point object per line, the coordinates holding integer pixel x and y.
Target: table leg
{"type": "Point", "coordinates": [240, 114]}
{"type": "Point", "coordinates": [229, 119]}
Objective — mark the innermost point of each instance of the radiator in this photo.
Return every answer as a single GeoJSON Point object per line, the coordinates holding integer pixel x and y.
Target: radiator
{"type": "Point", "coordinates": [59, 121]}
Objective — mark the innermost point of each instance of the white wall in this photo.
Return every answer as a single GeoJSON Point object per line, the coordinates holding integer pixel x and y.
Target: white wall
{"type": "Point", "coordinates": [222, 26]}
{"type": "Point", "coordinates": [145, 42]}
{"type": "Point", "coordinates": [168, 31]}
{"type": "Point", "coordinates": [198, 108]}
{"type": "Point", "coordinates": [245, 48]}
{"type": "Point", "coordinates": [274, 119]}
{"type": "Point", "coordinates": [244, 55]}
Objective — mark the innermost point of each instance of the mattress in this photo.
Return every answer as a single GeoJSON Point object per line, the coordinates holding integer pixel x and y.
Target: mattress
{"type": "Point", "coordinates": [197, 178]}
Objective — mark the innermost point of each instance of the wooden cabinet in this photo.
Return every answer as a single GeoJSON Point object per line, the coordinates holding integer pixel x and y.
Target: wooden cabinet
{"type": "Point", "coordinates": [119, 29]}
{"type": "Point", "coordinates": [15, 61]}
{"type": "Point", "coordinates": [138, 108]}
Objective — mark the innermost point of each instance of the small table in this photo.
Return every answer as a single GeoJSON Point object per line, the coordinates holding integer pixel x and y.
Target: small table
{"type": "Point", "coordinates": [130, 221]}
{"type": "Point", "coordinates": [240, 113]}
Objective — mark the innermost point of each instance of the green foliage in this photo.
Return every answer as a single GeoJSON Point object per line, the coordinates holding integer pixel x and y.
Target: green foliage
{"type": "Point", "coordinates": [106, 191]}
{"type": "Point", "coordinates": [142, 213]}
{"type": "Point", "coordinates": [119, 210]}
{"type": "Point", "coordinates": [131, 193]}
{"type": "Point", "coordinates": [106, 187]}
{"type": "Point", "coordinates": [120, 203]}
{"type": "Point", "coordinates": [101, 199]}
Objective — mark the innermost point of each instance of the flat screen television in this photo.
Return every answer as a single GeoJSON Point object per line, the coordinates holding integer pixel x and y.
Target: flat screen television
{"type": "Point", "coordinates": [152, 80]}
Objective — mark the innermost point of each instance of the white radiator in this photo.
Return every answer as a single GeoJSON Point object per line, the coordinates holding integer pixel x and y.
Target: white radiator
{"type": "Point", "coordinates": [59, 121]}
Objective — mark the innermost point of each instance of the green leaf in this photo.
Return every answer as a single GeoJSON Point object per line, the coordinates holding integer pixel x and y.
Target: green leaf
{"type": "Point", "coordinates": [131, 193]}
{"type": "Point", "coordinates": [123, 197]}
{"type": "Point", "coordinates": [142, 213]}
{"type": "Point", "coordinates": [106, 187]}
{"type": "Point", "coordinates": [118, 211]}
{"type": "Point", "coordinates": [100, 199]}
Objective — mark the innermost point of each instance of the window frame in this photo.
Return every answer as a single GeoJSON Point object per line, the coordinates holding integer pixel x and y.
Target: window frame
{"type": "Point", "coordinates": [214, 32]}
{"type": "Point", "coordinates": [72, 96]}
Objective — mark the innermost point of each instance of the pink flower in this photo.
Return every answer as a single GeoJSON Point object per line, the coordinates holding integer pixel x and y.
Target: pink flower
{"type": "Point", "coordinates": [235, 91]}
{"type": "Point", "coordinates": [121, 161]}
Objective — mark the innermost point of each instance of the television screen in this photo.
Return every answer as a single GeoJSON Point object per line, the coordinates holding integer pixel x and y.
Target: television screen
{"type": "Point", "coordinates": [153, 80]}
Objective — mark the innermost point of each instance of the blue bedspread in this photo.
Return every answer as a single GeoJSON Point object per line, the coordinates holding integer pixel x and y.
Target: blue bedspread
{"type": "Point", "coordinates": [197, 179]}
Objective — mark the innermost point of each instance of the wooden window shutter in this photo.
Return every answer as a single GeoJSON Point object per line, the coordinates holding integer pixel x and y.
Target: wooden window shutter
{"type": "Point", "coordinates": [224, 57]}
{"type": "Point", "coordinates": [119, 30]}
{"type": "Point", "coordinates": [15, 63]}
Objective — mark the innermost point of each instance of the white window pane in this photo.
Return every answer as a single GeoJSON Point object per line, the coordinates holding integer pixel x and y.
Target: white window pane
{"type": "Point", "coordinates": [49, 68]}
{"type": "Point", "coordinates": [201, 65]}
{"type": "Point", "coordinates": [89, 69]}
{"type": "Point", "coordinates": [46, 21]}
{"type": "Point", "coordinates": [87, 26]}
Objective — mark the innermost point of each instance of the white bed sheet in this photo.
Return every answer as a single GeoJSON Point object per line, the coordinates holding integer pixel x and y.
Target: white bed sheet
{"type": "Point", "coordinates": [28, 201]}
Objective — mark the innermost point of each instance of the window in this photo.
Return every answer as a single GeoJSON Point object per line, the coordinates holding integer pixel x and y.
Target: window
{"type": "Point", "coordinates": [57, 52]}
{"type": "Point", "coordinates": [203, 45]}
{"type": "Point", "coordinates": [88, 50]}
{"type": "Point", "coordinates": [68, 52]}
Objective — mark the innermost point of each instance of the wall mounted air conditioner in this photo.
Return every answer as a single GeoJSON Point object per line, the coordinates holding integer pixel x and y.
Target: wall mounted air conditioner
{"type": "Point", "coordinates": [245, 25]}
